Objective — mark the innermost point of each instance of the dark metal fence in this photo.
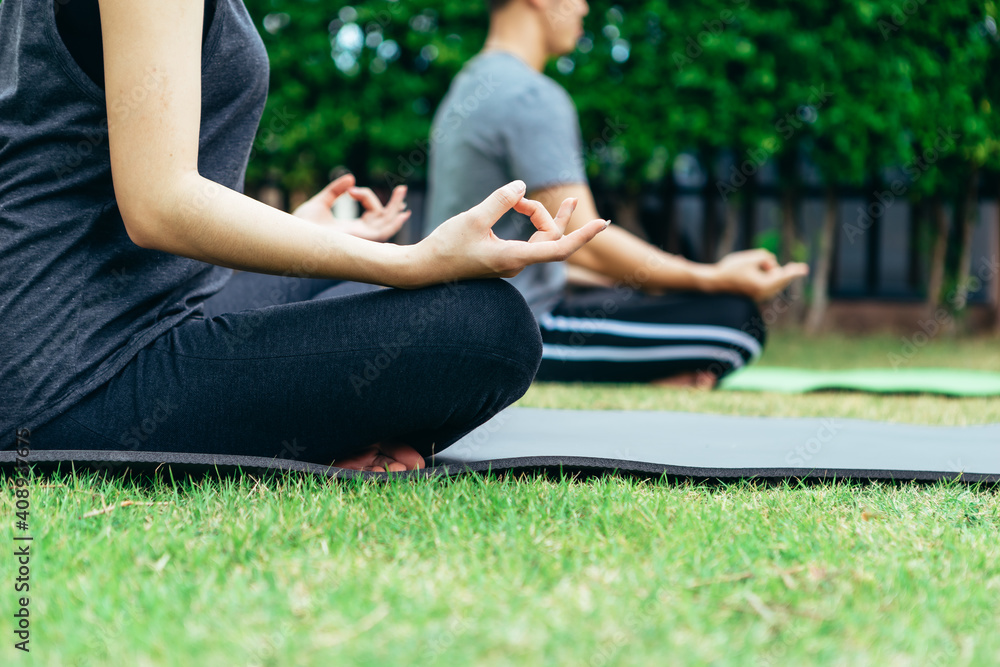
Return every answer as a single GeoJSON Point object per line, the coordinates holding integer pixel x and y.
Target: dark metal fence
{"type": "Point", "coordinates": [888, 261]}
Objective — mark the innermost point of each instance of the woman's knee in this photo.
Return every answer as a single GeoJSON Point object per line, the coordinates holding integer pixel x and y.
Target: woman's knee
{"type": "Point", "coordinates": [492, 316]}
{"type": "Point", "coordinates": [478, 354]}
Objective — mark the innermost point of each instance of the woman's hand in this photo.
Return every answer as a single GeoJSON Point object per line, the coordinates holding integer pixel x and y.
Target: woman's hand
{"type": "Point", "coordinates": [465, 246]}
{"type": "Point", "coordinates": [377, 223]}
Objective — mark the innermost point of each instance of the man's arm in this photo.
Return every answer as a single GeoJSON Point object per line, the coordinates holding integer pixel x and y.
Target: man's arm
{"type": "Point", "coordinates": [626, 258]}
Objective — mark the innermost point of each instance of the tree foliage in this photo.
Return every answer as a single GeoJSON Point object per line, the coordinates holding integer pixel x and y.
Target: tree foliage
{"type": "Point", "coordinates": [857, 86]}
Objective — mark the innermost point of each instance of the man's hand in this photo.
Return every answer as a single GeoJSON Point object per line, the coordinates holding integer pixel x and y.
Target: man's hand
{"type": "Point", "coordinates": [377, 223]}
{"type": "Point", "coordinates": [754, 273]}
{"type": "Point", "coordinates": [465, 246]}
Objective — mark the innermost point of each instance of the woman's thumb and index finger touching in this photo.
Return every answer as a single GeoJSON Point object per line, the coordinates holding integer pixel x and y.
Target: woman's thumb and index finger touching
{"type": "Point", "coordinates": [487, 212]}
{"type": "Point", "coordinates": [507, 197]}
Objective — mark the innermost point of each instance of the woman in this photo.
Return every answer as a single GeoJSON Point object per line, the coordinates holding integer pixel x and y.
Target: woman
{"type": "Point", "coordinates": [121, 217]}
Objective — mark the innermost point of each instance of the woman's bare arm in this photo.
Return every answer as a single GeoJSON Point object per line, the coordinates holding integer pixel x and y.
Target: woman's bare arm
{"type": "Point", "coordinates": [167, 205]}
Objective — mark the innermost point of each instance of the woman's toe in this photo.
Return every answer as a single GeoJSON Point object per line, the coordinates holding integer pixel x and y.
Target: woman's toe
{"type": "Point", "coordinates": [405, 455]}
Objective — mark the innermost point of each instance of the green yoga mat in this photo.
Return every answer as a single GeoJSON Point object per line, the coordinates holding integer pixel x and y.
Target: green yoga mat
{"type": "Point", "coordinates": [944, 381]}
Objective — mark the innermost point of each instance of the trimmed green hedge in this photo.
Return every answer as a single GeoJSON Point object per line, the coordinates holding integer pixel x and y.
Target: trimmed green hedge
{"type": "Point", "coordinates": [857, 86]}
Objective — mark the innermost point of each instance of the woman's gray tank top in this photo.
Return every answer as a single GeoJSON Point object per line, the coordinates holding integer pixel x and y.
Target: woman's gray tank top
{"type": "Point", "coordinates": [78, 299]}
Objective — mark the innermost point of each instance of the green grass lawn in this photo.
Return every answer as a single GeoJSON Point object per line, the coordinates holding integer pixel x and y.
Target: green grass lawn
{"type": "Point", "coordinates": [606, 571]}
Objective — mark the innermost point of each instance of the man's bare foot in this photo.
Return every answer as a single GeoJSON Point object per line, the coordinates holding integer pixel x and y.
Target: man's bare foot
{"type": "Point", "coordinates": [692, 379]}
{"type": "Point", "coordinates": [383, 457]}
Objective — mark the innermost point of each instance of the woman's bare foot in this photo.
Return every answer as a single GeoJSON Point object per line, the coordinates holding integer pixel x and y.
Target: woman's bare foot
{"type": "Point", "coordinates": [693, 379]}
{"type": "Point", "coordinates": [383, 457]}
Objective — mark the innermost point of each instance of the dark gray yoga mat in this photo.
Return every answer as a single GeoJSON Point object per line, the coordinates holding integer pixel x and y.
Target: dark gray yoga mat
{"type": "Point", "coordinates": [718, 446]}
{"type": "Point", "coordinates": [641, 443]}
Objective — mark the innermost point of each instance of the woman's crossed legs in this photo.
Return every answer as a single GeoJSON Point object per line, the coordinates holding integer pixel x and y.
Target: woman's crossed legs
{"type": "Point", "coordinates": [351, 380]}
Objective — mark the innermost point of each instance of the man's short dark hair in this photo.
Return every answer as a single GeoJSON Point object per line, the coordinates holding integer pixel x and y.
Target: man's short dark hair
{"type": "Point", "coordinates": [497, 4]}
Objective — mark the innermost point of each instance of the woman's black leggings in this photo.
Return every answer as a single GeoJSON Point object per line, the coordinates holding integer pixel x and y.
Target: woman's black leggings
{"type": "Point", "coordinates": [304, 369]}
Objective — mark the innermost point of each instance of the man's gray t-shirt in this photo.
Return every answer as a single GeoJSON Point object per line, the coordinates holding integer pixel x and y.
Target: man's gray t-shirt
{"type": "Point", "coordinates": [502, 121]}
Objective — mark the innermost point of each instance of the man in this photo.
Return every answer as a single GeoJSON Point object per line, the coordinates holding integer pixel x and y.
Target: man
{"type": "Point", "coordinates": [667, 320]}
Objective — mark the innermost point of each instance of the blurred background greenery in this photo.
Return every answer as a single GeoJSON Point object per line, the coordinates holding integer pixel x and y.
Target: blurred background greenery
{"type": "Point", "coordinates": [860, 135]}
